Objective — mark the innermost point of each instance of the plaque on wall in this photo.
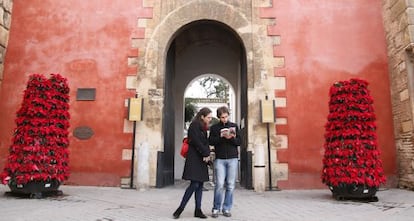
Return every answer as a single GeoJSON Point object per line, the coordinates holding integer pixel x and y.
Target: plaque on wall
{"type": "Point", "coordinates": [267, 111]}
{"type": "Point", "coordinates": [85, 94]}
{"type": "Point", "coordinates": [83, 132]}
{"type": "Point", "coordinates": [135, 109]}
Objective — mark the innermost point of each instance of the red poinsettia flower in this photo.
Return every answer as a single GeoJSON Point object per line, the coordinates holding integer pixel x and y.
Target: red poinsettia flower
{"type": "Point", "coordinates": [351, 154]}
{"type": "Point", "coordinates": [39, 145]}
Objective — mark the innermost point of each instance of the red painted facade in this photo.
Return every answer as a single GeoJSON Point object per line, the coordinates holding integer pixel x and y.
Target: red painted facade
{"type": "Point", "coordinates": [89, 42]}
{"type": "Point", "coordinates": [324, 42]}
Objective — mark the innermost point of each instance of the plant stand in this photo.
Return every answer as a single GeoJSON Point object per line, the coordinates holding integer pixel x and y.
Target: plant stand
{"type": "Point", "coordinates": [354, 192]}
{"type": "Point", "coordinates": [36, 189]}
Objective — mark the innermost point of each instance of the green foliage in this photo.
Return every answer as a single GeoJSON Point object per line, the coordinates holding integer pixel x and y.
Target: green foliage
{"type": "Point", "coordinates": [190, 110]}
{"type": "Point", "coordinates": [215, 87]}
{"type": "Point", "coordinates": [214, 120]}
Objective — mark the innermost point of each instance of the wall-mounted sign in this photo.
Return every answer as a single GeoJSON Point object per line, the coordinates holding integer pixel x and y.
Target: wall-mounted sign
{"type": "Point", "coordinates": [135, 106]}
{"type": "Point", "coordinates": [267, 111]}
{"type": "Point", "coordinates": [83, 132]}
{"type": "Point", "coordinates": [86, 94]}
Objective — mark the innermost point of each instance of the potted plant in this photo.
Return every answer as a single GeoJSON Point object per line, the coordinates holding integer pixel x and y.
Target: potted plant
{"type": "Point", "coordinates": [38, 157]}
{"type": "Point", "coordinates": [352, 167]}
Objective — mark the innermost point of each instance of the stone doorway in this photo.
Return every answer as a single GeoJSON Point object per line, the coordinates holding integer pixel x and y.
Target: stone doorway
{"type": "Point", "coordinates": [198, 49]}
{"type": "Point", "coordinates": [161, 55]}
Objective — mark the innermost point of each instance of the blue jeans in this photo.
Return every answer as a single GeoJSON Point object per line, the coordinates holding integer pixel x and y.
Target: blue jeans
{"type": "Point", "coordinates": [225, 173]}
{"type": "Point", "coordinates": [194, 187]}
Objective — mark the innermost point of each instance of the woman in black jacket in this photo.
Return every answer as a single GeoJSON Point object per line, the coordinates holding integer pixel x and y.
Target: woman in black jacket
{"type": "Point", "coordinates": [198, 156]}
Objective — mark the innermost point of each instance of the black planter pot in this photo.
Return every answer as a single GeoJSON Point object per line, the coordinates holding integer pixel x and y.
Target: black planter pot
{"type": "Point", "coordinates": [354, 192]}
{"type": "Point", "coordinates": [36, 189]}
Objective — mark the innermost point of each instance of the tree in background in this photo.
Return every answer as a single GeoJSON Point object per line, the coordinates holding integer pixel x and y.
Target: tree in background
{"type": "Point", "coordinates": [215, 87]}
{"type": "Point", "coordinates": [190, 110]}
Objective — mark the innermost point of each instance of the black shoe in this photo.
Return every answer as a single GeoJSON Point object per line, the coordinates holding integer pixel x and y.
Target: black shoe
{"type": "Point", "coordinates": [226, 213]}
{"type": "Point", "coordinates": [198, 213]}
{"type": "Point", "coordinates": [178, 212]}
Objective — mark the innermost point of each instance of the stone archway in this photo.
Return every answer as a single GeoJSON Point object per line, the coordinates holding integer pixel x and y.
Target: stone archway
{"type": "Point", "coordinates": [203, 47]}
{"type": "Point", "coordinates": [173, 15]}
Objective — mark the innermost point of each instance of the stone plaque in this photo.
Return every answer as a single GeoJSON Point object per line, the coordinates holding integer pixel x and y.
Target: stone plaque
{"type": "Point", "coordinates": [85, 94]}
{"type": "Point", "coordinates": [83, 132]}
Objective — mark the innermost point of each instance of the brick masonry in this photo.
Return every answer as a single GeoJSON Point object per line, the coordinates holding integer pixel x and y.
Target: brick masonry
{"type": "Point", "coordinates": [399, 28]}
{"type": "Point", "coordinates": [5, 20]}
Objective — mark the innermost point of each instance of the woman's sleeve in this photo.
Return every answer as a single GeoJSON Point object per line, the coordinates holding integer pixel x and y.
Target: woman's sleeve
{"type": "Point", "coordinates": [195, 135]}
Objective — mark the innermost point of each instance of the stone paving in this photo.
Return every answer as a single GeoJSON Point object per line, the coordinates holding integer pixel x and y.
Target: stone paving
{"type": "Point", "coordinates": [116, 204]}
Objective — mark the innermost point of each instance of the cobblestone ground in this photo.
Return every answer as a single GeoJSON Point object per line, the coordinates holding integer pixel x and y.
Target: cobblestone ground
{"type": "Point", "coordinates": [115, 204]}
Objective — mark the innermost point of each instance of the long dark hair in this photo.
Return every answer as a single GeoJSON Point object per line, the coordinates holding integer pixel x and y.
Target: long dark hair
{"type": "Point", "coordinates": [202, 112]}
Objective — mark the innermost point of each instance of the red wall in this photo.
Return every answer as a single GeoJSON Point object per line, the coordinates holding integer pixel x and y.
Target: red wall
{"type": "Point", "coordinates": [325, 41]}
{"type": "Point", "coordinates": [88, 42]}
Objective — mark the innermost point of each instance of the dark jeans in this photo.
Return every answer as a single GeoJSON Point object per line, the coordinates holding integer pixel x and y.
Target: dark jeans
{"type": "Point", "coordinates": [197, 187]}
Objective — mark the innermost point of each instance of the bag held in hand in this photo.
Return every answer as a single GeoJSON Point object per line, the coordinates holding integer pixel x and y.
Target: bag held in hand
{"type": "Point", "coordinates": [184, 147]}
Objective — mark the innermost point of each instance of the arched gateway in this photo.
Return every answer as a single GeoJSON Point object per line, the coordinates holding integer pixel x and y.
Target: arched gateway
{"type": "Point", "coordinates": [189, 40]}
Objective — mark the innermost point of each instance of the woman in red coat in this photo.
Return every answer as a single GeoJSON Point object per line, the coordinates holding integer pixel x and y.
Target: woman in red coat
{"type": "Point", "coordinates": [198, 156]}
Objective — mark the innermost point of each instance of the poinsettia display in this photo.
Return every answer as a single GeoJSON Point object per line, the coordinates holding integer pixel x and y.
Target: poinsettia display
{"type": "Point", "coordinates": [39, 150]}
{"type": "Point", "coordinates": [351, 154]}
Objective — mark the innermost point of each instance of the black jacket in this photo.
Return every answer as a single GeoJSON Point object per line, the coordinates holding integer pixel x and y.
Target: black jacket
{"type": "Point", "coordinates": [195, 168]}
{"type": "Point", "coordinates": [224, 148]}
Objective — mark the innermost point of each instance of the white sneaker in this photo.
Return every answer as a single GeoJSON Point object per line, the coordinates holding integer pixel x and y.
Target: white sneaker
{"type": "Point", "coordinates": [215, 213]}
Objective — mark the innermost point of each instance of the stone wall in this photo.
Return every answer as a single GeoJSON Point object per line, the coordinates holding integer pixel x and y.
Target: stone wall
{"type": "Point", "coordinates": [5, 20]}
{"type": "Point", "coordinates": [241, 16]}
{"type": "Point", "coordinates": [399, 27]}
